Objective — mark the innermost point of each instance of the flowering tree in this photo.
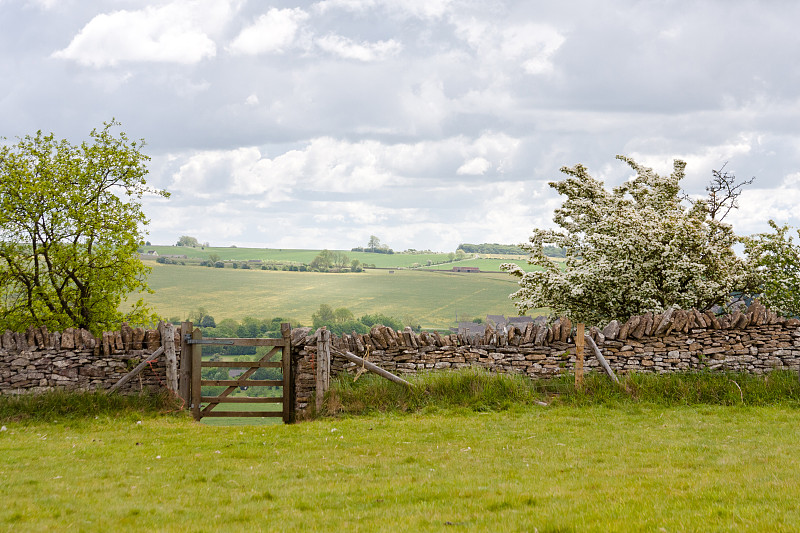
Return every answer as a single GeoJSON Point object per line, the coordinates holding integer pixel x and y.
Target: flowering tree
{"type": "Point", "coordinates": [633, 249]}
{"type": "Point", "coordinates": [775, 260]}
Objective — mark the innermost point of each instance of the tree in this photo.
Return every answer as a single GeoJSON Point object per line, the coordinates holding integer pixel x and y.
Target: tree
{"type": "Point", "coordinates": [775, 261]}
{"type": "Point", "coordinates": [327, 260]}
{"type": "Point", "coordinates": [70, 225]}
{"type": "Point", "coordinates": [185, 240]}
{"type": "Point", "coordinates": [324, 316]}
{"type": "Point", "coordinates": [374, 242]}
{"type": "Point", "coordinates": [631, 250]}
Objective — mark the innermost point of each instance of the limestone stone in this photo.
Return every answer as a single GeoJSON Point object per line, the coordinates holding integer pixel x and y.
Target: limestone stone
{"type": "Point", "coordinates": [665, 323]}
{"type": "Point", "coordinates": [566, 329]}
{"type": "Point", "coordinates": [611, 331]}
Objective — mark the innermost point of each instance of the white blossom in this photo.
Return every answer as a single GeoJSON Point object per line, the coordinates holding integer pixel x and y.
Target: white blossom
{"type": "Point", "coordinates": [633, 249]}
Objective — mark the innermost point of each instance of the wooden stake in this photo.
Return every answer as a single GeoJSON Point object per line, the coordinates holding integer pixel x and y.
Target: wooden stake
{"type": "Point", "coordinates": [197, 358]}
{"type": "Point", "coordinates": [288, 376]}
{"type": "Point", "coordinates": [323, 365]}
{"type": "Point", "coordinates": [602, 359]}
{"type": "Point", "coordinates": [133, 373]}
{"type": "Point", "coordinates": [185, 376]}
{"type": "Point", "coordinates": [168, 342]}
{"type": "Point", "coordinates": [579, 339]}
{"type": "Point", "coordinates": [372, 368]}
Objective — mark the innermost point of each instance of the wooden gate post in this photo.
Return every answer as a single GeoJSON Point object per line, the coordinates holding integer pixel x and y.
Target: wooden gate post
{"type": "Point", "coordinates": [197, 358]}
{"type": "Point", "coordinates": [184, 377]}
{"type": "Point", "coordinates": [288, 377]}
{"type": "Point", "coordinates": [168, 342]}
{"type": "Point", "coordinates": [579, 343]}
{"type": "Point", "coordinates": [323, 365]}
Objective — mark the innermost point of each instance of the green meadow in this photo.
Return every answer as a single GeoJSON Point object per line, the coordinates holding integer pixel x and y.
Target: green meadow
{"type": "Point", "coordinates": [431, 299]}
{"type": "Point", "coordinates": [632, 468]}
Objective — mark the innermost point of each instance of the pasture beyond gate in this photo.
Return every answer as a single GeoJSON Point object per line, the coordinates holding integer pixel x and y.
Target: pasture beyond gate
{"type": "Point", "coordinates": [206, 406]}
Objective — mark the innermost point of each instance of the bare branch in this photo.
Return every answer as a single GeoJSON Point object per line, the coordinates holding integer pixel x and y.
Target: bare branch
{"type": "Point", "coordinates": [723, 193]}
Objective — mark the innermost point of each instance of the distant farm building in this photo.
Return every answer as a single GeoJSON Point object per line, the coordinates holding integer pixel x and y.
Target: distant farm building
{"type": "Point", "coordinates": [466, 269]}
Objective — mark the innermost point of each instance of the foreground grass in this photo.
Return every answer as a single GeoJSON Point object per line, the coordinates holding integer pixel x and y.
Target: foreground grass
{"type": "Point", "coordinates": [633, 468]}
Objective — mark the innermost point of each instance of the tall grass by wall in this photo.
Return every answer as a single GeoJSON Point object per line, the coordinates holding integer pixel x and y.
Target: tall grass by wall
{"type": "Point", "coordinates": [480, 390]}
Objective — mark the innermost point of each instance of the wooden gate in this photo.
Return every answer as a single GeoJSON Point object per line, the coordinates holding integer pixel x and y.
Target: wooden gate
{"type": "Point", "coordinates": [203, 406]}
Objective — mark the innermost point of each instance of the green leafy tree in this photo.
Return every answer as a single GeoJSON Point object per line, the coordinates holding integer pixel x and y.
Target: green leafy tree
{"type": "Point", "coordinates": [185, 240]}
{"type": "Point", "coordinates": [323, 317]}
{"type": "Point", "coordinates": [339, 260]}
{"type": "Point", "coordinates": [329, 260]}
{"type": "Point", "coordinates": [374, 242]}
{"type": "Point", "coordinates": [634, 249]}
{"type": "Point", "coordinates": [70, 219]}
{"type": "Point", "coordinates": [343, 314]}
{"type": "Point", "coordinates": [378, 318]}
{"type": "Point", "coordinates": [775, 261]}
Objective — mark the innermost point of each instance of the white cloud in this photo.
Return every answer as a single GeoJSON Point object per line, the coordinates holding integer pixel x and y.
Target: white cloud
{"type": "Point", "coordinates": [422, 9]}
{"type": "Point", "coordinates": [273, 32]}
{"type": "Point", "coordinates": [757, 206]}
{"type": "Point", "coordinates": [177, 32]}
{"type": "Point", "coordinates": [332, 165]}
{"type": "Point", "coordinates": [534, 46]}
{"type": "Point", "coordinates": [252, 100]}
{"type": "Point", "coordinates": [367, 52]}
{"type": "Point", "coordinates": [530, 46]}
{"type": "Point", "coordinates": [239, 172]}
{"type": "Point", "coordinates": [476, 166]}
{"type": "Point", "coordinates": [361, 213]}
{"type": "Point", "coordinates": [700, 162]}
{"type": "Point", "coordinates": [45, 4]}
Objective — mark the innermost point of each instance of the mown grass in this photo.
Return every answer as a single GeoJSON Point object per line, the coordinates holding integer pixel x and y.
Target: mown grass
{"type": "Point", "coordinates": [430, 299]}
{"type": "Point", "coordinates": [635, 467]}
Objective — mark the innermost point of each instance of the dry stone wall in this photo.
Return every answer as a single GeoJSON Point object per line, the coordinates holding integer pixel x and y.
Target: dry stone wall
{"type": "Point", "coordinates": [39, 360]}
{"type": "Point", "coordinates": [753, 340]}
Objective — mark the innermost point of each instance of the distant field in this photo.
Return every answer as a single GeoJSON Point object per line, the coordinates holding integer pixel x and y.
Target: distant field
{"type": "Point", "coordinates": [433, 299]}
{"type": "Point", "coordinates": [298, 256]}
{"type": "Point", "coordinates": [489, 262]}
{"type": "Point", "coordinates": [486, 265]}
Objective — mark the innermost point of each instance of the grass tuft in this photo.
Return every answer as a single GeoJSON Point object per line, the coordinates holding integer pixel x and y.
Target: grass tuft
{"type": "Point", "coordinates": [480, 390]}
{"type": "Point", "coordinates": [73, 405]}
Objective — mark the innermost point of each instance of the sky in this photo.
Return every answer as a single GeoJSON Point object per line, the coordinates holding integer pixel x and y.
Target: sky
{"type": "Point", "coordinates": [427, 123]}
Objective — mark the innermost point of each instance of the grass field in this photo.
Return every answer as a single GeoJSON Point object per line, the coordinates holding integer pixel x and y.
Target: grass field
{"type": "Point", "coordinates": [638, 468]}
{"type": "Point", "coordinates": [296, 256]}
{"type": "Point", "coordinates": [432, 299]}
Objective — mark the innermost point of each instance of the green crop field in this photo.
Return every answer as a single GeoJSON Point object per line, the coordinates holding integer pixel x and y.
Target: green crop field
{"type": "Point", "coordinates": [296, 256]}
{"type": "Point", "coordinates": [432, 299]}
{"type": "Point", "coordinates": [638, 468]}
